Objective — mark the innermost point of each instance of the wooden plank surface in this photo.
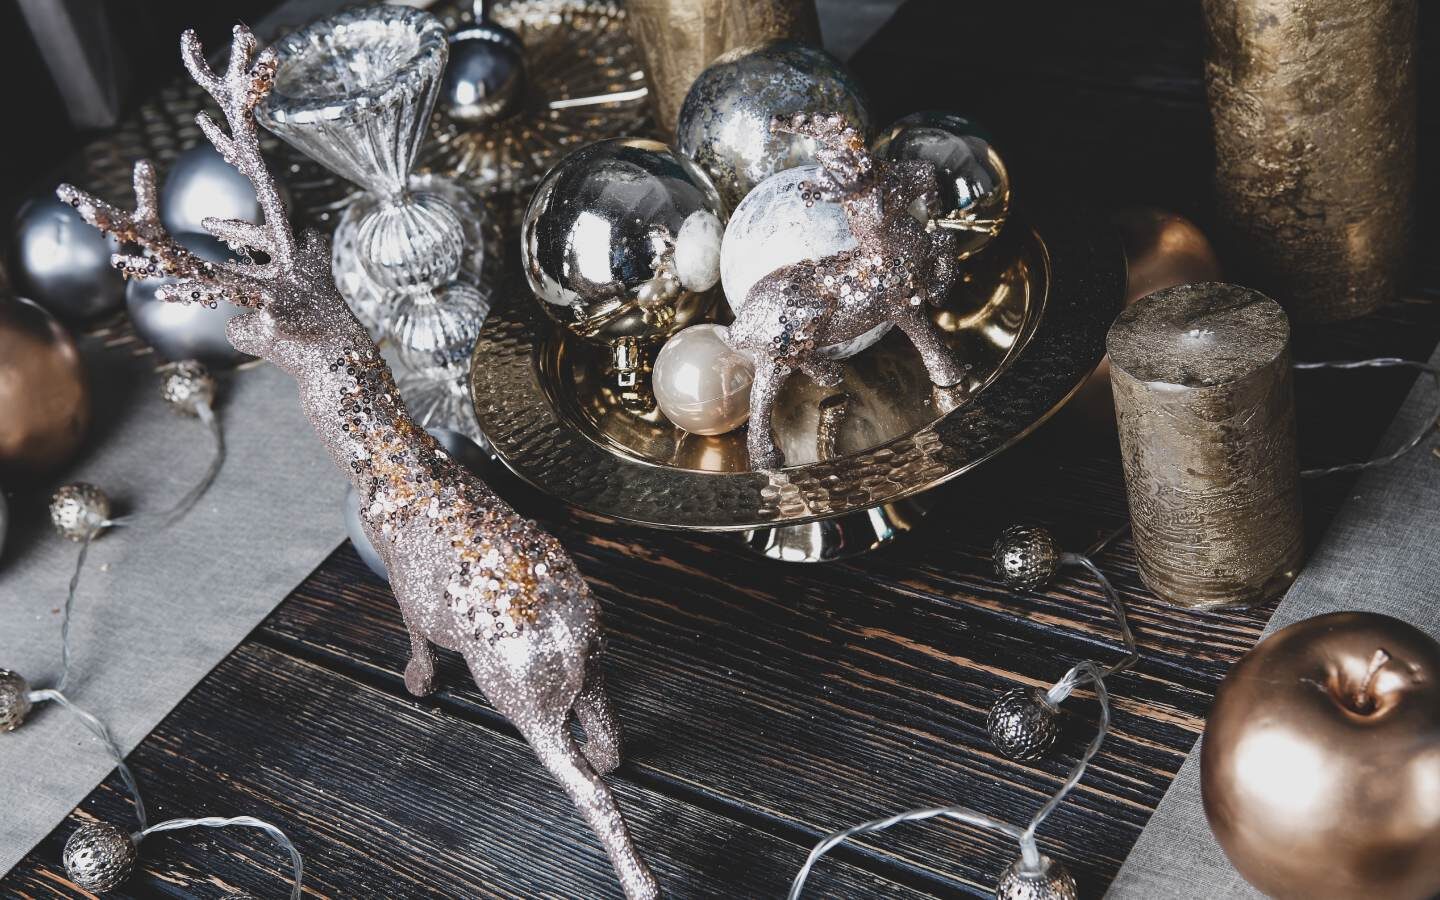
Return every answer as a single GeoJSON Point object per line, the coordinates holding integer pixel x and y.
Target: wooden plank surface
{"type": "Point", "coordinates": [767, 703]}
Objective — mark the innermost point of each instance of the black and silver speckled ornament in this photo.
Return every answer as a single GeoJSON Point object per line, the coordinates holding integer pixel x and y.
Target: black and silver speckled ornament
{"type": "Point", "coordinates": [1023, 724]}
{"type": "Point", "coordinates": [1051, 882]}
{"type": "Point", "coordinates": [14, 700]}
{"type": "Point", "coordinates": [99, 857]}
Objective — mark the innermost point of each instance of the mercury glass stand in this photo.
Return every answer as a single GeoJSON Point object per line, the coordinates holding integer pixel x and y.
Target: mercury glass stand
{"type": "Point", "coordinates": [411, 256]}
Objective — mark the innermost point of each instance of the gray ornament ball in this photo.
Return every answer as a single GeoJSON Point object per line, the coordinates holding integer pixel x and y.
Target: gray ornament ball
{"type": "Point", "coordinates": [1026, 557]}
{"type": "Point", "coordinates": [187, 386]}
{"type": "Point", "coordinates": [79, 511]}
{"type": "Point", "coordinates": [1052, 882]}
{"type": "Point", "coordinates": [724, 123]}
{"type": "Point", "coordinates": [99, 857]}
{"type": "Point", "coordinates": [1023, 724]}
{"type": "Point", "coordinates": [201, 183]}
{"type": "Point", "coordinates": [473, 455]}
{"type": "Point", "coordinates": [179, 331]}
{"type": "Point", "coordinates": [14, 700]}
{"type": "Point", "coordinates": [62, 263]}
{"type": "Point", "coordinates": [485, 76]}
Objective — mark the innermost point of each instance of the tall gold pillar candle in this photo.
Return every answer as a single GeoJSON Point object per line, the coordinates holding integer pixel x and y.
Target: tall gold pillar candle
{"type": "Point", "coordinates": [1206, 414]}
{"type": "Point", "coordinates": [1313, 104]}
{"type": "Point", "coordinates": [679, 38]}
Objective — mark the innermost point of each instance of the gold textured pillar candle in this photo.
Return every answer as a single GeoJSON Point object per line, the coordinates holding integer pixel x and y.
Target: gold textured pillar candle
{"type": "Point", "coordinates": [679, 38]}
{"type": "Point", "coordinates": [1206, 415]}
{"type": "Point", "coordinates": [1314, 110]}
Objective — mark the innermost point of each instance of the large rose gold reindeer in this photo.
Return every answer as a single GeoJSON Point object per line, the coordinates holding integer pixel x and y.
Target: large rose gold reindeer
{"type": "Point", "coordinates": [469, 574]}
{"type": "Point", "coordinates": [899, 266]}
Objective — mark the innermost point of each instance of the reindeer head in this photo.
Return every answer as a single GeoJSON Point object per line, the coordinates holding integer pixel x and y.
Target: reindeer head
{"type": "Point", "coordinates": [296, 314]}
{"type": "Point", "coordinates": [846, 169]}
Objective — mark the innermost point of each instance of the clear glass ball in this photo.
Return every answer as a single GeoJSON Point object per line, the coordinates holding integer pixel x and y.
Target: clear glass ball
{"type": "Point", "coordinates": [701, 384]}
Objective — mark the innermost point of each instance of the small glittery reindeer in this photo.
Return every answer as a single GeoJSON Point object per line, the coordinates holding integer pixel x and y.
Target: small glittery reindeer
{"type": "Point", "coordinates": [899, 267]}
{"type": "Point", "coordinates": [470, 574]}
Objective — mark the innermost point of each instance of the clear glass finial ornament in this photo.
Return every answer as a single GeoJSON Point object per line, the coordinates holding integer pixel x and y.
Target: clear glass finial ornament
{"type": "Point", "coordinates": [415, 256]}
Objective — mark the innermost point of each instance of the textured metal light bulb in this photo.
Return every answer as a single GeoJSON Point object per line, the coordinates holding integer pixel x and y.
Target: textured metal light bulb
{"type": "Point", "coordinates": [1052, 882]}
{"type": "Point", "coordinates": [1026, 556]}
{"type": "Point", "coordinates": [79, 511]}
{"type": "Point", "coordinates": [14, 700]}
{"type": "Point", "coordinates": [1023, 724]}
{"type": "Point", "coordinates": [186, 386]}
{"type": "Point", "coordinates": [99, 857]}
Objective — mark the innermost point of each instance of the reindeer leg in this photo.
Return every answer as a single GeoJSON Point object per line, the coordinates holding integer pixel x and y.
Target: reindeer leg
{"type": "Point", "coordinates": [769, 375]}
{"type": "Point", "coordinates": [420, 670]}
{"type": "Point", "coordinates": [940, 363]}
{"type": "Point", "coordinates": [824, 372]}
{"type": "Point", "coordinates": [597, 717]}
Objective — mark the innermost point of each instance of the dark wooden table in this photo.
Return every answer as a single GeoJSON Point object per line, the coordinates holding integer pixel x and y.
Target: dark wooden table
{"type": "Point", "coordinates": [768, 704]}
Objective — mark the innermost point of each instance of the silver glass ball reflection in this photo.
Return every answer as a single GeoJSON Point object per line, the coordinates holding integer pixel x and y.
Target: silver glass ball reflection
{"type": "Point", "coordinates": [14, 700]}
{"type": "Point", "coordinates": [774, 226]}
{"type": "Point", "coordinates": [1052, 882]}
{"type": "Point", "coordinates": [62, 263]}
{"type": "Point", "coordinates": [99, 857]}
{"type": "Point", "coordinates": [621, 241]}
{"type": "Point", "coordinates": [1023, 723]}
{"type": "Point", "coordinates": [724, 123]}
{"type": "Point", "coordinates": [186, 387]}
{"type": "Point", "coordinates": [974, 183]}
{"type": "Point", "coordinates": [79, 511]}
{"type": "Point", "coordinates": [700, 383]}
{"type": "Point", "coordinates": [485, 76]}
{"type": "Point", "coordinates": [1026, 557]}
{"type": "Point", "coordinates": [200, 183]}
{"type": "Point", "coordinates": [179, 331]}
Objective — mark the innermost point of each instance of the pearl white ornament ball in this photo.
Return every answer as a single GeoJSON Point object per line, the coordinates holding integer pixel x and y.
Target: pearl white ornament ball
{"type": "Point", "coordinates": [700, 383]}
{"type": "Point", "coordinates": [773, 227]}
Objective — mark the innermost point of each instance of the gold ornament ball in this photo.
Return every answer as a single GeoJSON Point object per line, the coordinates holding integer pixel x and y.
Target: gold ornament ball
{"type": "Point", "coordinates": [1321, 761]}
{"type": "Point", "coordinates": [99, 857]}
{"type": "Point", "coordinates": [79, 511]}
{"type": "Point", "coordinates": [187, 386]}
{"type": "Point", "coordinates": [1052, 882]}
{"type": "Point", "coordinates": [44, 395]}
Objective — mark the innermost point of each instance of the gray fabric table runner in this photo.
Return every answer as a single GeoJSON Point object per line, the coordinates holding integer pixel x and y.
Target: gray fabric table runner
{"type": "Point", "coordinates": [1379, 555]}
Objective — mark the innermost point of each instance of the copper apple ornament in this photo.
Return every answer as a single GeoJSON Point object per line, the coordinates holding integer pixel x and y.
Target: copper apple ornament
{"type": "Point", "coordinates": [1320, 769]}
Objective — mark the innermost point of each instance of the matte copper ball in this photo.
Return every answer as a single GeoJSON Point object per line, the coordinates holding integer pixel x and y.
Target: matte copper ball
{"type": "Point", "coordinates": [1052, 882]}
{"type": "Point", "coordinates": [44, 395]}
{"type": "Point", "coordinates": [1026, 557]}
{"type": "Point", "coordinates": [1023, 724]}
{"type": "Point", "coordinates": [14, 700]}
{"type": "Point", "coordinates": [99, 857]}
{"type": "Point", "coordinates": [1320, 767]}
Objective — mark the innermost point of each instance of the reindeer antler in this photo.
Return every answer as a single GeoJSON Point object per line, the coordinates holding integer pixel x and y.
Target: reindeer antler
{"type": "Point", "coordinates": [243, 87]}
{"type": "Point", "coordinates": [844, 158]}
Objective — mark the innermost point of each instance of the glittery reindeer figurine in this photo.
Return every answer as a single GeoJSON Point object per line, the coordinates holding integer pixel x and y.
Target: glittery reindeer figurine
{"type": "Point", "coordinates": [469, 574]}
{"type": "Point", "coordinates": [899, 266]}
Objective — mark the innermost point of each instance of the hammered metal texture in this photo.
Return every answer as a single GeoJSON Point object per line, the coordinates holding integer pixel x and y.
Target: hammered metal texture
{"type": "Point", "coordinates": [14, 700]}
{"type": "Point", "coordinates": [1054, 883]}
{"type": "Point", "coordinates": [98, 857]}
{"type": "Point", "coordinates": [1023, 724]}
{"type": "Point", "coordinates": [1025, 557]}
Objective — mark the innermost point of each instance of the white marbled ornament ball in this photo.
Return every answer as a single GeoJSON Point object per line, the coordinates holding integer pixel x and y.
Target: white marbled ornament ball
{"type": "Point", "coordinates": [773, 227]}
{"type": "Point", "coordinates": [700, 383]}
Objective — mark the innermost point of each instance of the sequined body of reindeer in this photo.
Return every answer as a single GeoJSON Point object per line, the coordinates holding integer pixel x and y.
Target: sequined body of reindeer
{"type": "Point", "coordinates": [470, 574]}
{"type": "Point", "coordinates": [899, 266]}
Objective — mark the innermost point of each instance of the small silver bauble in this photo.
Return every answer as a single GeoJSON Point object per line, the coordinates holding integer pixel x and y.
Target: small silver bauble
{"type": "Point", "coordinates": [473, 455]}
{"type": "Point", "coordinates": [724, 124]}
{"type": "Point", "coordinates": [1023, 723]}
{"type": "Point", "coordinates": [99, 857]}
{"type": "Point", "coordinates": [14, 700]}
{"type": "Point", "coordinates": [199, 184]}
{"type": "Point", "coordinates": [776, 226]}
{"type": "Point", "coordinates": [700, 383]}
{"type": "Point", "coordinates": [1026, 557]}
{"type": "Point", "coordinates": [975, 186]}
{"type": "Point", "coordinates": [621, 242]}
{"type": "Point", "coordinates": [62, 263]}
{"type": "Point", "coordinates": [485, 75]}
{"type": "Point", "coordinates": [79, 511]}
{"type": "Point", "coordinates": [187, 386]}
{"type": "Point", "coordinates": [178, 331]}
{"type": "Point", "coordinates": [1052, 882]}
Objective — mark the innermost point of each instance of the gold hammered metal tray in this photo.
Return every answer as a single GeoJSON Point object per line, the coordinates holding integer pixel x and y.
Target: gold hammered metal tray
{"type": "Point", "coordinates": [1029, 319]}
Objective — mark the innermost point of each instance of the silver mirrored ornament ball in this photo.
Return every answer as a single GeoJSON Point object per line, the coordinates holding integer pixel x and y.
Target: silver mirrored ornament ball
{"type": "Point", "coordinates": [99, 857]}
{"type": "Point", "coordinates": [621, 244]}
{"type": "Point", "coordinates": [200, 183]}
{"type": "Point", "coordinates": [974, 183]}
{"type": "Point", "coordinates": [1051, 882]}
{"type": "Point", "coordinates": [1026, 557]}
{"type": "Point", "coordinates": [700, 383]}
{"type": "Point", "coordinates": [473, 455]}
{"type": "Point", "coordinates": [14, 700]}
{"type": "Point", "coordinates": [485, 76]}
{"type": "Point", "coordinates": [62, 263]}
{"type": "Point", "coordinates": [725, 121]}
{"type": "Point", "coordinates": [187, 387]}
{"type": "Point", "coordinates": [79, 511]}
{"type": "Point", "coordinates": [778, 224]}
{"type": "Point", "coordinates": [1023, 723]}
{"type": "Point", "coordinates": [180, 331]}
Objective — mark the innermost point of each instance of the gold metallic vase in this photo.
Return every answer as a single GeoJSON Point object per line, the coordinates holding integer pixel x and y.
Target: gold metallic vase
{"type": "Point", "coordinates": [1206, 415]}
{"type": "Point", "coordinates": [1313, 104]}
{"type": "Point", "coordinates": [679, 38]}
